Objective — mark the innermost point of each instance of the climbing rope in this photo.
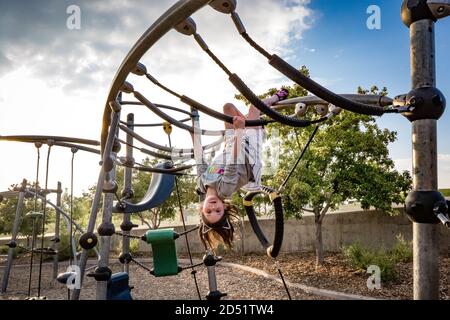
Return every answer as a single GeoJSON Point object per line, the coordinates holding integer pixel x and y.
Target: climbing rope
{"type": "Point", "coordinates": [311, 137]}
{"type": "Point", "coordinates": [168, 130]}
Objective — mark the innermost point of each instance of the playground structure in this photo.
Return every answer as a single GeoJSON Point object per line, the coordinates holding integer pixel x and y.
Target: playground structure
{"type": "Point", "coordinates": [423, 106]}
{"type": "Point", "coordinates": [37, 193]}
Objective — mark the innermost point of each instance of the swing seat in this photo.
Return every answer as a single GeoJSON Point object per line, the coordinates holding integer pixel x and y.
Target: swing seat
{"type": "Point", "coordinates": [34, 214]}
{"type": "Point", "coordinates": [165, 262]}
{"type": "Point", "coordinates": [118, 287]}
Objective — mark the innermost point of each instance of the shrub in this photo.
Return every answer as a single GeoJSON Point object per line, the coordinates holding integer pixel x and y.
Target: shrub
{"type": "Point", "coordinates": [64, 246]}
{"type": "Point", "coordinates": [402, 250]}
{"type": "Point", "coordinates": [361, 258]}
{"type": "Point", "coordinates": [134, 246]}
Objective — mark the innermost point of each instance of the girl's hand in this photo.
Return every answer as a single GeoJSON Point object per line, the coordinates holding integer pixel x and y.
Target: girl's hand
{"type": "Point", "coordinates": [238, 122]}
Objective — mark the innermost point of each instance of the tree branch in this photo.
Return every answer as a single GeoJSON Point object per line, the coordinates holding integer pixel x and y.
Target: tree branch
{"type": "Point", "coordinates": [324, 211]}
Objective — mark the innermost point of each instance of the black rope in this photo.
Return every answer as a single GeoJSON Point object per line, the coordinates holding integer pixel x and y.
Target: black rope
{"type": "Point", "coordinates": [41, 260]}
{"type": "Point", "coordinates": [127, 235]}
{"type": "Point", "coordinates": [258, 48]}
{"type": "Point", "coordinates": [298, 159]}
{"type": "Point", "coordinates": [140, 265]}
{"type": "Point", "coordinates": [156, 82]}
{"type": "Point", "coordinates": [38, 146]}
{"type": "Point", "coordinates": [192, 266]}
{"type": "Point", "coordinates": [284, 283]}
{"type": "Point", "coordinates": [218, 62]}
{"type": "Point", "coordinates": [118, 199]}
{"type": "Point", "coordinates": [185, 230]}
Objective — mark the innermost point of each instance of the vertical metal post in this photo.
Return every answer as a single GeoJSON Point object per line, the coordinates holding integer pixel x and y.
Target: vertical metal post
{"type": "Point", "coordinates": [424, 145]}
{"type": "Point", "coordinates": [14, 233]}
{"type": "Point", "coordinates": [115, 118]}
{"type": "Point", "coordinates": [57, 226]}
{"type": "Point", "coordinates": [105, 241]}
{"type": "Point", "coordinates": [128, 172]}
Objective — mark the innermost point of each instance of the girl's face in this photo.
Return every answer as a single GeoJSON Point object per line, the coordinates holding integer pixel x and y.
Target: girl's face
{"type": "Point", "coordinates": [213, 209]}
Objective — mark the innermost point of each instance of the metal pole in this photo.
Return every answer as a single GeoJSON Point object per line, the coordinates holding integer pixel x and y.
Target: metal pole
{"type": "Point", "coordinates": [97, 197]}
{"type": "Point", "coordinates": [14, 233]}
{"type": "Point", "coordinates": [57, 225]}
{"type": "Point", "coordinates": [108, 199]}
{"type": "Point", "coordinates": [424, 145]}
{"type": "Point", "coordinates": [105, 241]}
{"type": "Point", "coordinates": [128, 172]}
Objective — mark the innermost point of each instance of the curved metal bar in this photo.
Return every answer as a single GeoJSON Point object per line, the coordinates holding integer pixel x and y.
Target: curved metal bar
{"type": "Point", "coordinates": [161, 106]}
{"type": "Point", "coordinates": [77, 146]}
{"type": "Point", "coordinates": [174, 171]}
{"type": "Point", "coordinates": [379, 100]}
{"type": "Point", "coordinates": [146, 125]}
{"type": "Point", "coordinates": [146, 151]}
{"type": "Point", "coordinates": [202, 108]}
{"type": "Point", "coordinates": [31, 193]}
{"type": "Point", "coordinates": [164, 148]}
{"type": "Point", "coordinates": [44, 139]}
{"type": "Point", "coordinates": [173, 121]}
{"type": "Point", "coordinates": [174, 15]}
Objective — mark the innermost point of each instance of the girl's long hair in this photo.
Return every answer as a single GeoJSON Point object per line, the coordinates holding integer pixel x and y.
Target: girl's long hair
{"type": "Point", "coordinates": [212, 234]}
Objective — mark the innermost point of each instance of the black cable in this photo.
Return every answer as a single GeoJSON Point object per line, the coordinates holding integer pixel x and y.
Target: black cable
{"type": "Point", "coordinates": [41, 260]}
{"type": "Point", "coordinates": [184, 228]}
{"type": "Point", "coordinates": [298, 159]}
{"type": "Point", "coordinates": [284, 283]}
{"type": "Point", "coordinates": [192, 266]}
{"type": "Point", "coordinates": [127, 235]}
{"type": "Point", "coordinates": [140, 265]}
{"type": "Point", "coordinates": [188, 231]}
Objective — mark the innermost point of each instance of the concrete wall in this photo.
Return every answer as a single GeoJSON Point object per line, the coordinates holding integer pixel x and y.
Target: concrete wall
{"type": "Point", "coordinates": [372, 229]}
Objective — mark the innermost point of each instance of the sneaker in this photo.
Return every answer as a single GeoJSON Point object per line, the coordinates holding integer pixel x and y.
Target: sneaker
{"type": "Point", "coordinates": [282, 94]}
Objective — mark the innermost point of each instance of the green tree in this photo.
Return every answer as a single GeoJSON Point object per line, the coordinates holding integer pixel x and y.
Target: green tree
{"type": "Point", "coordinates": [8, 211]}
{"type": "Point", "coordinates": [348, 159]}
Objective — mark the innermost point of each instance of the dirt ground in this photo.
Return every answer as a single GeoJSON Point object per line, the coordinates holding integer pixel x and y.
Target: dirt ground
{"type": "Point", "coordinates": [238, 284]}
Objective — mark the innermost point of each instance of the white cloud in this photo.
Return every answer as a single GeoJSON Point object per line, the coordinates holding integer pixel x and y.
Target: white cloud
{"type": "Point", "coordinates": [54, 81]}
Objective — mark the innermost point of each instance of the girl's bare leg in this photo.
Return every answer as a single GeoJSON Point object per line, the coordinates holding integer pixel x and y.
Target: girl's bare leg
{"type": "Point", "coordinates": [230, 110]}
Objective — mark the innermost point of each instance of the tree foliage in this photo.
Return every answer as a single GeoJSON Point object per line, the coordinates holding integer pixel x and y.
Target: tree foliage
{"type": "Point", "coordinates": [348, 159]}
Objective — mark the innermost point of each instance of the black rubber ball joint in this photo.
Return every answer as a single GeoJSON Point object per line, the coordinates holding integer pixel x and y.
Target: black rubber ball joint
{"type": "Point", "coordinates": [106, 229]}
{"type": "Point", "coordinates": [88, 240]}
{"type": "Point", "coordinates": [415, 10]}
{"type": "Point", "coordinates": [420, 206]}
{"type": "Point", "coordinates": [425, 103]}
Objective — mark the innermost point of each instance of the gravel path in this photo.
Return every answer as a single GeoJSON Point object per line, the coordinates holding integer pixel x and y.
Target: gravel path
{"type": "Point", "coordinates": [240, 285]}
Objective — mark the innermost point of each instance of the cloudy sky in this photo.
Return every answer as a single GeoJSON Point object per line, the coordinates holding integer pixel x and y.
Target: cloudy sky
{"type": "Point", "coordinates": [54, 80]}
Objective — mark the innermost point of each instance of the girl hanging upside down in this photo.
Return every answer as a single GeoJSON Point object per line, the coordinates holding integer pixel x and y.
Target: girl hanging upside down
{"type": "Point", "coordinates": [238, 166]}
